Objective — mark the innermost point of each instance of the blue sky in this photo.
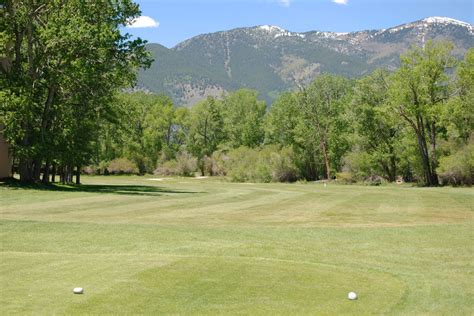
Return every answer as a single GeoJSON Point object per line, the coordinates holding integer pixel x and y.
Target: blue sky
{"type": "Point", "coordinates": [177, 20]}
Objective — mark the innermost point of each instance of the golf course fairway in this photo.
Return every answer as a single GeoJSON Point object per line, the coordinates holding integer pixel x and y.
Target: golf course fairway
{"type": "Point", "coordinates": [144, 245]}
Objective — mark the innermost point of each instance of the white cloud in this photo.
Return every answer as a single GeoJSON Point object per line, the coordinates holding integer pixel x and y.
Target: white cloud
{"type": "Point", "coordinates": [340, 1]}
{"type": "Point", "coordinates": [142, 22]}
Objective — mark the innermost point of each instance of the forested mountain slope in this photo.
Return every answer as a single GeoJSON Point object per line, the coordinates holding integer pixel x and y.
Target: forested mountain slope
{"type": "Point", "coordinates": [270, 59]}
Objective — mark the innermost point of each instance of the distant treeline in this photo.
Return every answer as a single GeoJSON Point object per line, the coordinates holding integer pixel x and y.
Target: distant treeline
{"type": "Point", "coordinates": [64, 64]}
{"type": "Point", "coordinates": [414, 124]}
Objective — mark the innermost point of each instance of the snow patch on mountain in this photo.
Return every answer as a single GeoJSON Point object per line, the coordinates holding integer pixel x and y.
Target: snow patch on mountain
{"type": "Point", "coordinates": [330, 35]}
{"type": "Point", "coordinates": [277, 31]}
{"type": "Point", "coordinates": [444, 20]}
{"type": "Point", "coordinates": [271, 28]}
{"type": "Point", "coordinates": [434, 20]}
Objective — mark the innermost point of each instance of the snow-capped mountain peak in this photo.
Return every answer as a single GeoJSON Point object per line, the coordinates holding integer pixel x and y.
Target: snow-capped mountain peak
{"type": "Point", "coordinates": [271, 59]}
{"type": "Point", "coordinates": [445, 20]}
{"type": "Point", "coordinates": [432, 21]}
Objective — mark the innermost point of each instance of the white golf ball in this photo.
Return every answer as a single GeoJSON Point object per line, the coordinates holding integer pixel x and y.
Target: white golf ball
{"type": "Point", "coordinates": [78, 290]}
{"type": "Point", "coordinates": [352, 295]}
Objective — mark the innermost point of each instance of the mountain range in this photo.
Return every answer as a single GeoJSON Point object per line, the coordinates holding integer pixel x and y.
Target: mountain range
{"type": "Point", "coordinates": [271, 60]}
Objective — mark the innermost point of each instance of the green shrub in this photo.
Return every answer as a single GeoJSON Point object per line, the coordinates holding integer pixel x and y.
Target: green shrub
{"type": "Point", "coordinates": [345, 177]}
{"type": "Point", "coordinates": [458, 168]}
{"type": "Point", "coordinates": [267, 164]}
{"type": "Point", "coordinates": [215, 165]}
{"type": "Point", "coordinates": [167, 168]}
{"type": "Point", "coordinates": [122, 166]}
{"type": "Point", "coordinates": [374, 180]}
{"type": "Point", "coordinates": [184, 165]}
{"type": "Point", "coordinates": [283, 165]}
{"type": "Point", "coordinates": [358, 165]}
{"type": "Point", "coordinates": [362, 167]}
{"type": "Point", "coordinates": [241, 164]}
{"type": "Point", "coordinates": [90, 170]}
{"type": "Point", "coordinates": [102, 168]}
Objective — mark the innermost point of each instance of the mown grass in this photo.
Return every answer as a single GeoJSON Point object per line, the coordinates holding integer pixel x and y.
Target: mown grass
{"type": "Point", "coordinates": [203, 246]}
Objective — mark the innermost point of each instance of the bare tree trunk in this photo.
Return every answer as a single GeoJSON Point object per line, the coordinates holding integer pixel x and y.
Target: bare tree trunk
{"type": "Point", "coordinates": [78, 175]}
{"type": "Point", "coordinates": [425, 160]}
{"type": "Point", "coordinates": [26, 175]}
{"type": "Point", "coordinates": [385, 169]}
{"type": "Point", "coordinates": [434, 159]}
{"type": "Point", "coordinates": [62, 174]}
{"type": "Point", "coordinates": [25, 166]}
{"type": "Point", "coordinates": [393, 168]}
{"type": "Point", "coordinates": [430, 179]}
{"type": "Point", "coordinates": [69, 174]}
{"type": "Point", "coordinates": [66, 173]}
{"type": "Point", "coordinates": [202, 166]}
{"type": "Point", "coordinates": [45, 115]}
{"type": "Point", "coordinates": [53, 173]}
{"type": "Point", "coordinates": [326, 159]}
{"type": "Point", "coordinates": [13, 169]}
{"type": "Point", "coordinates": [47, 166]}
{"type": "Point", "coordinates": [37, 164]}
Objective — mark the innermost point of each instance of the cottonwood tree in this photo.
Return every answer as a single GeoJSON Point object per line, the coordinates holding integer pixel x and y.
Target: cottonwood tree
{"type": "Point", "coordinates": [62, 61]}
{"type": "Point", "coordinates": [458, 115]}
{"type": "Point", "coordinates": [206, 129]}
{"type": "Point", "coordinates": [281, 120]}
{"type": "Point", "coordinates": [420, 90]}
{"type": "Point", "coordinates": [377, 127]}
{"type": "Point", "coordinates": [243, 118]}
{"type": "Point", "coordinates": [285, 125]}
{"type": "Point", "coordinates": [322, 105]}
{"type": "Point", "coordinates": [145, 123]}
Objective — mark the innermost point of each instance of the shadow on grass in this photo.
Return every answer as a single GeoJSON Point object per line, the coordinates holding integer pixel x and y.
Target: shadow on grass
{"type": "Point", "coordinates": [93, 188]}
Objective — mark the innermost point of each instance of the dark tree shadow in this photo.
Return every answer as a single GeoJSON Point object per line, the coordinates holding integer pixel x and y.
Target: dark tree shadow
{"type": "Point", "coordinates": [144, 190]}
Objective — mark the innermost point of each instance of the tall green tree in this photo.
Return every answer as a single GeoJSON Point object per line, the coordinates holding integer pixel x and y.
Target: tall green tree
{"type": "Point", "coordinates": [323, 104]}
{"type": "Point", "coordinates": [420, 90]}
{"type": "Point", "coordinates": [206, 129]}
{"type": "Point", "coordinates": [282, 119]}
{"type": "Point", "coordinates": [458, 115]}
{"type": "Point", "coordinates": [62, 63]}
{"type": "Point", "coordinates": [146, 120]}
{"type": "Point", "coordinates": [243, 118]}
{"type": "Point", "coordinates": [285, 125]}
{"type": "Point", "coordinates": [378, 129]}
